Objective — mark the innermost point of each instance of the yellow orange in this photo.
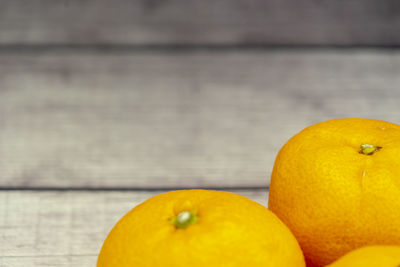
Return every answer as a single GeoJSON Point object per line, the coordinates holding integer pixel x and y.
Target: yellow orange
{"type": "Point", "coordinates": [372, 256]}
{"type": "Point", "coordinates": [336, 185]}
{"type": "Point", "coordinates": [200, 228]}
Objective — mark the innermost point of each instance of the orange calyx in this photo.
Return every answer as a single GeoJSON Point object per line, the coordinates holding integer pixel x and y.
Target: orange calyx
{"type": "Point", "coordinates": [368, 149]}
{"type": "Point", "coordinates": [184, 219]}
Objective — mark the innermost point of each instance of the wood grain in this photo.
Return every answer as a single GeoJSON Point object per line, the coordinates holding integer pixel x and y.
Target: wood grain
{"type": "Point", "coordinates": [206, 119]}
{"type": "Point", "coordinates": [65, 228]}
{"type": "Point", "coordinates": [142, 22]}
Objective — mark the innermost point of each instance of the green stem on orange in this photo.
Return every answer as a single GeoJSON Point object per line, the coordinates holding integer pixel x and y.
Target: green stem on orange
{"type": "Point", "coordinates": [184, 219]}
{"type": "Point", "coordinates": [368, 149]}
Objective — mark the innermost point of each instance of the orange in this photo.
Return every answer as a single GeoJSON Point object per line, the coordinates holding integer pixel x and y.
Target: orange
{"type": "Point", "coordinates": [200, 228]}
{"type": "Point", "coordinates": [372, 256]}
{"type": "Point", "coordinates": [336, 185]}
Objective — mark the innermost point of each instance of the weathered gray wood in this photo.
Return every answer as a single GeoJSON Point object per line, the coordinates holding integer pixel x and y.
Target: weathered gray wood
{"type": "Point", "coordinates": [200, 22]}
{"type": "Point", "coordinates": [184, 119]}
{"type": "Point", "coordinates": [49, 261]}
{"type": "Point", "coordinates": [65, 228]}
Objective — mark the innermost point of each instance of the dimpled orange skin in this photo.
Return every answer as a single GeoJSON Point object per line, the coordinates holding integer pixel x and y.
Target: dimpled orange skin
{"type": "Point", "coordinates": [372, 256]}
{"type": "Point", "coordinates": [334, 198]}
{"type": "Point", "coordinates": [231, 231]}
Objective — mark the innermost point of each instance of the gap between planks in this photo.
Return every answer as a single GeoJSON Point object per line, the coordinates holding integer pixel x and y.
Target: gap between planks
{"type": "Point", "coordinates": [128, 189]}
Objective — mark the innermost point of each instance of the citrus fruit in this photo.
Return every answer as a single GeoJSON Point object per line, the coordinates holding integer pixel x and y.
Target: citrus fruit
{"type": "Point", "coordinates": [372, 256]}
{"type": "Point", "coordinates": [200, 228]}
{"type": "Point", "coordinates": [336, 185]}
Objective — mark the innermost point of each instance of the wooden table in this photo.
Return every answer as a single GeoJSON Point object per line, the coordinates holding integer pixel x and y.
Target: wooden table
{"type": "Point", "coordinates": [96, 119]}
{"type": "Point", "coordinates": [87, 136]}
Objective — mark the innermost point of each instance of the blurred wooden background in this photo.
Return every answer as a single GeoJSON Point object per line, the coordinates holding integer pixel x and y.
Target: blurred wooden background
{"type": "Point", "coordinates": [106, 103]}
{"type": "Point", "coordinates": [231, 22]}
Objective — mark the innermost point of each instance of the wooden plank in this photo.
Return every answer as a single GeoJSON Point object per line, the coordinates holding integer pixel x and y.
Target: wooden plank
{"type": "Point", "coordinates": [48, 261]}
{"type": "Point", "coordinates": [65, 228]}
{"type": "Point", "coordinates": [359, 22]}
{"type": "Point", "coordinates": [206, 119]}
